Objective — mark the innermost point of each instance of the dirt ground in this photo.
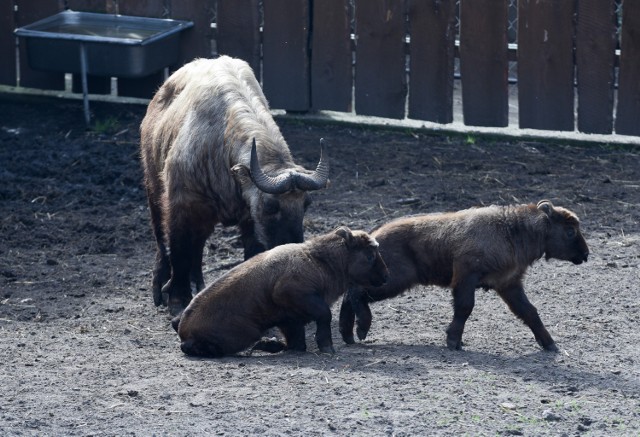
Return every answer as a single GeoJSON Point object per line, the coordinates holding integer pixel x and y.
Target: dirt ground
{"type": "Point", "coordinates": [85, 352]}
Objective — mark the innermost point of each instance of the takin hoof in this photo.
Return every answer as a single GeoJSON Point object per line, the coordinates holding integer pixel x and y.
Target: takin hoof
{"type": "Point", "coordinates": [348, 339]}
{"type": "Point", "coordinates": [362, 333]}
{"type": "Point", "coordinates": [328, 349]}
{"type": "Point", "coordinates": [176, 306]}
{"type": "Point", "coordinates": [454, 345]}
{"type": "Point", "coordinates": [551, 347]}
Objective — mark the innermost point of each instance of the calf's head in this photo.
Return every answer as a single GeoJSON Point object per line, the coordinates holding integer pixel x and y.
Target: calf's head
{"type": "Point", "coordinates": [365, 266]}
{"type": "Point", "coordinates": [277, 204]}
{"type": "Point", "coordinates": [564, 240]}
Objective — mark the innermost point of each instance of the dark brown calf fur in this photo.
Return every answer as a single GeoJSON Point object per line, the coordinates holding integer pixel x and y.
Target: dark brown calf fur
{"type": "Point", "coordinates": [286, 287]}
{"type": "Point", "coordinates": [489, 247]}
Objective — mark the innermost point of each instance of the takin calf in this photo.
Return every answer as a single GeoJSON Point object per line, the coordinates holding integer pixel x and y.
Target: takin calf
{"type": "Point", "coordinates": [285, 287]}
{"type": "Point", "coordinates": [489, 247]}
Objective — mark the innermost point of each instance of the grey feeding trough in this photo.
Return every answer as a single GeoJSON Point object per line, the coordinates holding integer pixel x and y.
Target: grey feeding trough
{"type": "Point", "coordinates": [102, 45]}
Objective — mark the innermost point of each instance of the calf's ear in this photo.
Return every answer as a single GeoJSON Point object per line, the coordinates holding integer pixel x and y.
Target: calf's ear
{"type": "Point", "coordinates": [545, 206]}
{"type": "Point", "coordinates": [346, 234]}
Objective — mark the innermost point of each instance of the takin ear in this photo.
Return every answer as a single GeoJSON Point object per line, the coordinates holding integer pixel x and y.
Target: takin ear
{"type": "Point", "coordinates": [241, 174]}
{"type": "Point", "coordinates": [546, 206]}
{"type": "Point", "coordinates": [346, 234]}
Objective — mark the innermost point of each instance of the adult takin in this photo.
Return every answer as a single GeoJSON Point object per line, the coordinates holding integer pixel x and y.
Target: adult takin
{"type": "Point", "coordinates": [489, 247]}
{"type": "Point", "coordinates": [285, 287]}
{"type": "Point", "coordinates": [212, 153]}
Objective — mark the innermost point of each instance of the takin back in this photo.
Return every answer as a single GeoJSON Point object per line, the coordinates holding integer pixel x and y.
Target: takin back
{"type": "Point", "coordinates": [212, 153]}
{"type": "Point", "coordinates": [489, 247]}
{"type": "Point", "coordinates": [286, 287]}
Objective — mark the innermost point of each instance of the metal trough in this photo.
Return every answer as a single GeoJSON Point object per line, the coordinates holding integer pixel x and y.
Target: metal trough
{"type": "Point", "coordinates": [102, 45]}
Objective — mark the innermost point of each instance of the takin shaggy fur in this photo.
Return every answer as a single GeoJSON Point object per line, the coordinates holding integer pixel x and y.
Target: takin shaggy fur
{"type": "Point", "coordinates": [489, 247]}
{"type": "Point", "coordinates": [285, 287]}
{"type": "Point", "coordinates": [212, 153]}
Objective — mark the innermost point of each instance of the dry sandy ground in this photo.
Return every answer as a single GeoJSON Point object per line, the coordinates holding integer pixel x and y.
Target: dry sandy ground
{"type": "Point", "coordinates": [85, 352]}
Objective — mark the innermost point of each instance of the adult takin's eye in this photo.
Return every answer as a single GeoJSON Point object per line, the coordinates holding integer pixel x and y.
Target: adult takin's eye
{"type": "Point", "coordinates": [370, 256]}
{"type": "Point", "coordinates": [271, 207]}
{"type": "Point", "coordinates": [570, 232]}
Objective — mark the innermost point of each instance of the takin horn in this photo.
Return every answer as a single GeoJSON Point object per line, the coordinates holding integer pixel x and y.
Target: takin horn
{"type": "Point", "coordinates": [289, 180]}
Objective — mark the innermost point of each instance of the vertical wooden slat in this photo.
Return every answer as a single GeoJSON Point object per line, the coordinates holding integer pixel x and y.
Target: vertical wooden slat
{"type": "Point", "coordinates": [286, 56]}
{"type": "Point", "coordinates": [380, 83]}
{"type": "Point", "coordinates": [195, 42]}
{"type": "Point", "coordinates": [484, 63]}
{"type": "Point", "coordinates": [96, 84]}
{"type": "Point", "coordinates": [143, 87]}
{"type": "Point", "coordinates": [595, 59]}
{"type": "Point", "coordinates": [628, 114]}
{"type": "Point", "coordinates": [28, 12]}
{"type": "Point", "coordinates": [238, 24]}
{"type": "Point", "coordinates": [7, 44]}
{"type": "Point", "coordinates": [331, 69]}
{"type": "Point", "coordinates": [432, 49]}
{"type": "Point", "coordinates": [545, 64]}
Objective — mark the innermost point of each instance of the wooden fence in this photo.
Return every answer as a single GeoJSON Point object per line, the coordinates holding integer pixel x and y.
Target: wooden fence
{"type": "Point", "coordinates": [578, 61]}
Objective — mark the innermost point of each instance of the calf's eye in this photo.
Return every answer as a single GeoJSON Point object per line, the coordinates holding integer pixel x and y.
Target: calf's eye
{"type": "Point", "coordinates": [571, 232]}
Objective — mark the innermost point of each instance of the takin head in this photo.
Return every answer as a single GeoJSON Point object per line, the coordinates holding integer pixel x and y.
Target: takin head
{"type": "Point", "coordinates": [564, 241]}
{"type": "Point", "coordinates": [365, 266]}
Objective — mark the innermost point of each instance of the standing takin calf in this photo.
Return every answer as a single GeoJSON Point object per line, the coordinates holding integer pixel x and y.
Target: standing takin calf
{"type": "Point", "coordinates": [489, 247]}
{"type": "Point", "coordinates": [286, 287]}
{"type": "Point", "coordinates": [212, 153]}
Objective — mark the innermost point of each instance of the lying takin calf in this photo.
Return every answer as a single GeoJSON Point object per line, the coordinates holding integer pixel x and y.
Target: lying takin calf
{"type": "Point", "coordinates": [287, 287]}
{"type": "Point", "coordinates": [489, 247]}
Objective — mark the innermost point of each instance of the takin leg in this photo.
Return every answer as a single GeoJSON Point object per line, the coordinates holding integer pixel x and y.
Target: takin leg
{"type": "Point", "coordinates": [201, 349]}
{"type": "Point", "coordinates": [162, 269]}
{"type": "Point", "coordinates": [464, 294]}
{"type": "Point", "coordinates": [178, 289]}
{"type": "Point", "coordinates": [347, 319]}
{"type": "Point", "coordinates": [520, 306]}
{"type": "Point", "coordinates": [313, 307]}
{"type": "Point", "coordinates": [294, 335]}
{"type": "Point", "coordinates": [196, 261]}
{"type": "Point", "coordinates": [249, 241]}
{"type": "Point", "coordinates": [271, 345]}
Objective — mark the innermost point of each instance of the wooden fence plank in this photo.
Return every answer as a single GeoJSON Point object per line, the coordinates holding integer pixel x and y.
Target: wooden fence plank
{"type": "Point", "coordinates": [195, 42]}
{"type": "Point", "coordinates": [484, 63]}
{"type": "Point", "coordinates": [595, 60]}
{"type": "Point", "coordinates": [545, 64]}
{"type": "Point", "coordinates": [286, 55]}
{"type": "Point", "coordinates": [28, 12]}
{"type": "Point", "coordinates": [143, 87]}
{"type": "Point", "coordinates": [95, 84]}
{"type": "Point", "coordinates": [380, 83]}
{"type": "Point", "coordinates": [7, 43]}
{"type": "Point", "coordinates": [628, 114]}
{"type": "Point", "coordinates": [331, 63]}
{"type": "Point", "coordinates": [432, 60]}
{"type": "Point", "coordinates": [238, 25]}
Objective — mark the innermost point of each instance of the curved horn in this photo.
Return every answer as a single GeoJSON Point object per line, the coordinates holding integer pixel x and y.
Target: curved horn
{"type": "Point", "coordinates": [319, 178]}
{"type": "Point", "coordinates": [272, 185]}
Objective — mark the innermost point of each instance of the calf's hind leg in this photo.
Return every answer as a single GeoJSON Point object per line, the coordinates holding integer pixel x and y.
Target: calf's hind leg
{"type": "Point", "coordinates": [464, 295]}
{"type": "Point", "coordinates": [520, 306]}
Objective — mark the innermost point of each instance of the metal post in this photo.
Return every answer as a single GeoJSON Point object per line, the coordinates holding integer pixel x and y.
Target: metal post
{"type": "Point", "coordinates": [85, 90]}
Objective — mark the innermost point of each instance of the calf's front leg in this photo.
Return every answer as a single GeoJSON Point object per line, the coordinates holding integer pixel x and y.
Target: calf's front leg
{"type": "Point", "coordinates": [517, 300]}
